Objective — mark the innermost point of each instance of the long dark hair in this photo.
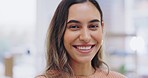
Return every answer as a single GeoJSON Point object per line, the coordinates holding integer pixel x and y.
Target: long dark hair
{"type": "Point", "coordinates": [57, 57]}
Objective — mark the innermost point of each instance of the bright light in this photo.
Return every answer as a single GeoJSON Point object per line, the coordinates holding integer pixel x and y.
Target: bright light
{"type": "Point", "coordinates": [17, 16]}
{"type": "Point", "coordinates": [137, 44]}
{"type": "Point", "coordinates": [17, 12]}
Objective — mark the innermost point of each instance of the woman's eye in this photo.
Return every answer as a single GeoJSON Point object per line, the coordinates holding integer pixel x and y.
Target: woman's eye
{"type": "Point", "coordinates": [74, 27]}
{"type": "Point", "coordinates": [93, 27]}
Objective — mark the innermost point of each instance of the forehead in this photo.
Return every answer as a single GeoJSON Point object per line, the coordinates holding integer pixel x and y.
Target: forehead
{"type": "Point", "coordinates": [85, 10]}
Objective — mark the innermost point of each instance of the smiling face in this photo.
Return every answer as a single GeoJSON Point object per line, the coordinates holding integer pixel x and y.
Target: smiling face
{"type": "Point", "coordinates": [83, 34]}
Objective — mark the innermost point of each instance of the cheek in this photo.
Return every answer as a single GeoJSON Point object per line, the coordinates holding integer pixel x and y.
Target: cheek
{"type": "Point", "coordinates": [97, 36]}
{"type": "Point", "coordinates": [66, 39]}
{"type": "Point", "coordinates": [69, 38]}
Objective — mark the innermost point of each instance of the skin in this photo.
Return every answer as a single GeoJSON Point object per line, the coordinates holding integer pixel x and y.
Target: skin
{"type": "Point", "coordinates": [83, 37]}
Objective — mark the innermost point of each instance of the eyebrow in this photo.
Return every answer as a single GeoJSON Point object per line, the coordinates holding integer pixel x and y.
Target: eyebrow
{"type": "Point", "coordinates": [75, 21]}
{"type": "Point", "coordinates": [94, 20]}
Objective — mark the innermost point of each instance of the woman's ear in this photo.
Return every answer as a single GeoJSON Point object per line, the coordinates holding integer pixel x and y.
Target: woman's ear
{"type": "Point", "coordinates": [102, 25]}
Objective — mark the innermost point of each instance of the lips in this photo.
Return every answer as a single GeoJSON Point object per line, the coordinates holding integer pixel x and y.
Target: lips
{"type": "Point", "coordinates": [83, 48]}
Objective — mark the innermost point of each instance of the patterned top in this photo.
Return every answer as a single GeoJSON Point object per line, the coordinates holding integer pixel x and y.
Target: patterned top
{"type": "Point", "coordinates": [98, 74]}
{"type": "Point", "coordinates": [103, 74]}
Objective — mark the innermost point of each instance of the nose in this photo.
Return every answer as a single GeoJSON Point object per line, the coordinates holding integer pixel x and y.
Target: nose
{"type": "Point", "coordinates": [85, 35]}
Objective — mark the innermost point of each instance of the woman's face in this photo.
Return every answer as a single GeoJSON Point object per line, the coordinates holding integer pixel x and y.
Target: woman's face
{"type": "Point", "coordinates": [83, 35]}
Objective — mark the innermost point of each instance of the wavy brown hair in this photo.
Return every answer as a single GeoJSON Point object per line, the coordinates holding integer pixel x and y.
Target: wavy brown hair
{"type": "Point", "coordinates": [57, 57]}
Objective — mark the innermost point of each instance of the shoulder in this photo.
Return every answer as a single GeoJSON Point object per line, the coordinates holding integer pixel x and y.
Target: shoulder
{"type": "Point", "coordinates": [49, 74]}
{"type": "Point", "coordinates": [110, 74]}
{"type": "Point", "coordinates": [116, 74]}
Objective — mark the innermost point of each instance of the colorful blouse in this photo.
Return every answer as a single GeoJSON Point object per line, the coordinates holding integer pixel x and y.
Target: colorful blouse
{"type": "Point", "coordinates": [98, 74]}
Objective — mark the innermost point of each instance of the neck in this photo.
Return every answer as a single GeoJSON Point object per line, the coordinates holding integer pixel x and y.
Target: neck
{"type": "Point", "coordinates": [81, 69]}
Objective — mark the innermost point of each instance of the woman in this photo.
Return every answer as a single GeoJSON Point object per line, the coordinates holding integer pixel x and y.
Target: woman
{"type": "Point", "coordinates": [74, 42]}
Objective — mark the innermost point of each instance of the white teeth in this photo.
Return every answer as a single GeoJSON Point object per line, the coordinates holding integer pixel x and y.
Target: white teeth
{"type": "Point", "coordinates": [84, 47]}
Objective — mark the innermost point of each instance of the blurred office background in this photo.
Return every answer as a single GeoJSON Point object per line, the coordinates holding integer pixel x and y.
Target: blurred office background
{"type": "Point", "coordinates": [24, 23]}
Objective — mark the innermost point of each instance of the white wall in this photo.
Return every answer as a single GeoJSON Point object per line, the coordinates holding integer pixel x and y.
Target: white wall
{"type": "Point", "coordinates": [45, 10]}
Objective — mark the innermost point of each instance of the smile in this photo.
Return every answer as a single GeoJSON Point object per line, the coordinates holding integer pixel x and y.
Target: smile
{"type": "Point", "coordinates": [83, 48]}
